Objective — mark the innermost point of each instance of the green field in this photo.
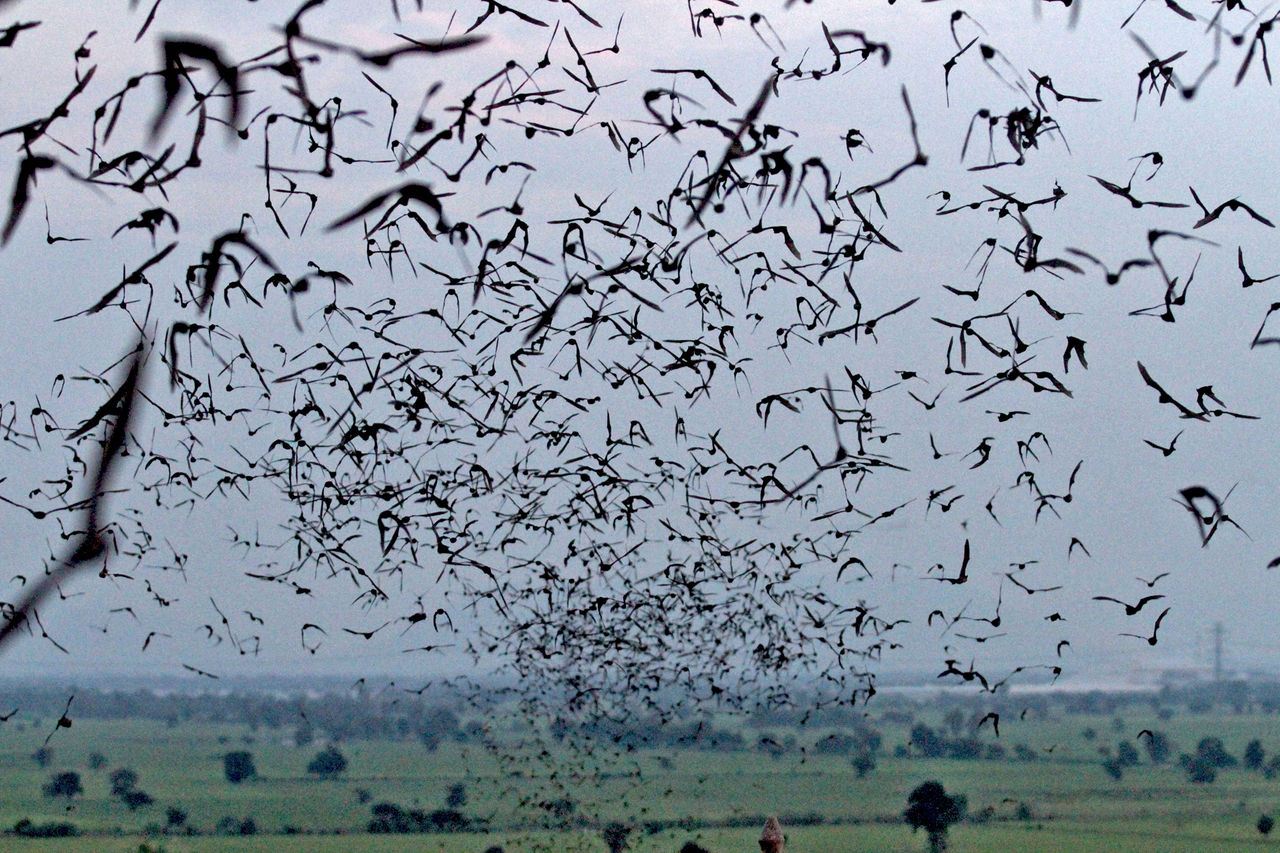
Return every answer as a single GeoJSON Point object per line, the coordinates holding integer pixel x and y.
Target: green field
{"type": "Point", "coordinates": [1061, 802]}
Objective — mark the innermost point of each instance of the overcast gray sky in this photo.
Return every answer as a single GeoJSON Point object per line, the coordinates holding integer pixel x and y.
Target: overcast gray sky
{"type": "Point", "coordinates": [1124, 507]}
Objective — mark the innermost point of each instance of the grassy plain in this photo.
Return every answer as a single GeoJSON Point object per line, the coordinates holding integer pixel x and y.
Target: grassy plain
{"type": "Point", "coordinates": [1061, 802]}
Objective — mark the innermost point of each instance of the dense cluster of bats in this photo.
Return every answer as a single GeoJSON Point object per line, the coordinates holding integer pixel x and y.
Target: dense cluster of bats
{"type": "Point", "coordinates": [584, 360]}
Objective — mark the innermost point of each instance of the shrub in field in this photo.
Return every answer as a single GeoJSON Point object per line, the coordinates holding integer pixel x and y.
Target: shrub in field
{"type": "Point", "coordinates": [836, 743]}
{"type": "Point", "coordinates": [238, 766]}
{"type": "Point", "coordinates": [615, 836]}
{"type": "Point", "coordinates": [328, 763]}
{"type": "Point", "coordinates": [457, 796]}
{"type": "Point", "coordinates": [1265, 824]}
{"type": "Point", "coordinates": [561, 808]}
{"type": "Point", "coordinates": [1199, 771]}
{"type": "Point", "coordinates": [97, 761]}
{"type": "Point", "coordinates": [1212, 751]}
{"type": "Point", "coordinates": [65, 784]}
{"type": "Point", "coordinates": [123, 780]}
{"type": "Point", "coordinates": [1126, 754]}
{"type": "Point", "coordinates": [174, 816]}
{"type": "Point", "coordinates": [136, 799]}
{"type": "Point", "coordinates": [1158, 746]}
{"type": "Point", "coordinates": [236, 826]}
{"type": "Point", "coordinates": [42, 756]}
{"type": "Point", "coordinates": [447, 820]}
{"type": "Point", "coordinates": [389, 818]}
{"type": "Point", "coordinates": [927, 741]}
{"type": "Point", "coordinates": [26, 829]}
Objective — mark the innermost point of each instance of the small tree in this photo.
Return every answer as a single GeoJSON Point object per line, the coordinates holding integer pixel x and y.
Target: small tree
{"type": "Point", "coordinates": [1212, 751]}
{"type": "Point", "coordinates": [65, 784]}
{"type": "Point", "coordinates": [1265, 824]}
{"type": "Point", "coordinates": [329, 762]}
{"type": "Point", "coordinates": [927, 741]}
{"type": "Point", "coordinates": [42, 756]}
{"type": "Point", "coordinates": [1158, 746]}
{"type": "Point", "coordinates": [457, 796]}
{"type": "Point", "coordinates": [930, 808]}
{"type": "Point", "coordinates": [123, 780]}
{"type": "Point", "coordinates": [864, 761]}
{"type": "Point", "coordinates": [615, 836]}
{"type": "Point", "coordinates": [238, 766]}
{"type": "Point", "coordinates": [1199, 770]}
{"type": "Point", "coordinates": [1254, 755]}
{"type": "Point", "coordinates": [97, 761]}
{"type": "Point", "coordinates": [230, 825]}
{"type": "Point", "coordinates": [135, 799]}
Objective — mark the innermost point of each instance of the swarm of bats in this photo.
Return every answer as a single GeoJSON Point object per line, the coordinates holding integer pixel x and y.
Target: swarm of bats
{"type": "Point", "coordinates": [625, 436]}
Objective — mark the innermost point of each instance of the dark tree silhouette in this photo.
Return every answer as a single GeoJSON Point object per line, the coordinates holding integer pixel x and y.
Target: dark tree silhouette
{"type": "Point", "coordinates": [457, 796]}
{"type": "Point", "coordinates": [615, 835]}
{"type": "Point", "coordinates": [930, 808]}
{"type": "Point", "coordinates": [1254, 755]}
{"type": "Point", "coordinates": [123, 780]}
{"type": "Point", "coordinates": [238, 766]}
{"type": "Point", "coordinates": [65, 784]}
{"type": "Point", "coordinates": [1126, 754]}
{"type": "Point", "coordinates": [328, 763]}
{"type": "Point", "coordinates": [1212, 751]}
{"type": "Point", "coordinates": [1265, 824]}
{"type": "Point", "coordinates": [1158, 746]}
{"type": "Point", "coordinates": [863, 759]}
{"type": "Point", "coordinates": [136, 799]}
{"type": "Point", "coordinates": [1199, 769]}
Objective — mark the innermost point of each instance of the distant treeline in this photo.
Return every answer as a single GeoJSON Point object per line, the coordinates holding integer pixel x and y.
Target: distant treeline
{"type": "Point", "coordinates": [397, 714]}
{"type": "Point", "coordinates": [340, 716]}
